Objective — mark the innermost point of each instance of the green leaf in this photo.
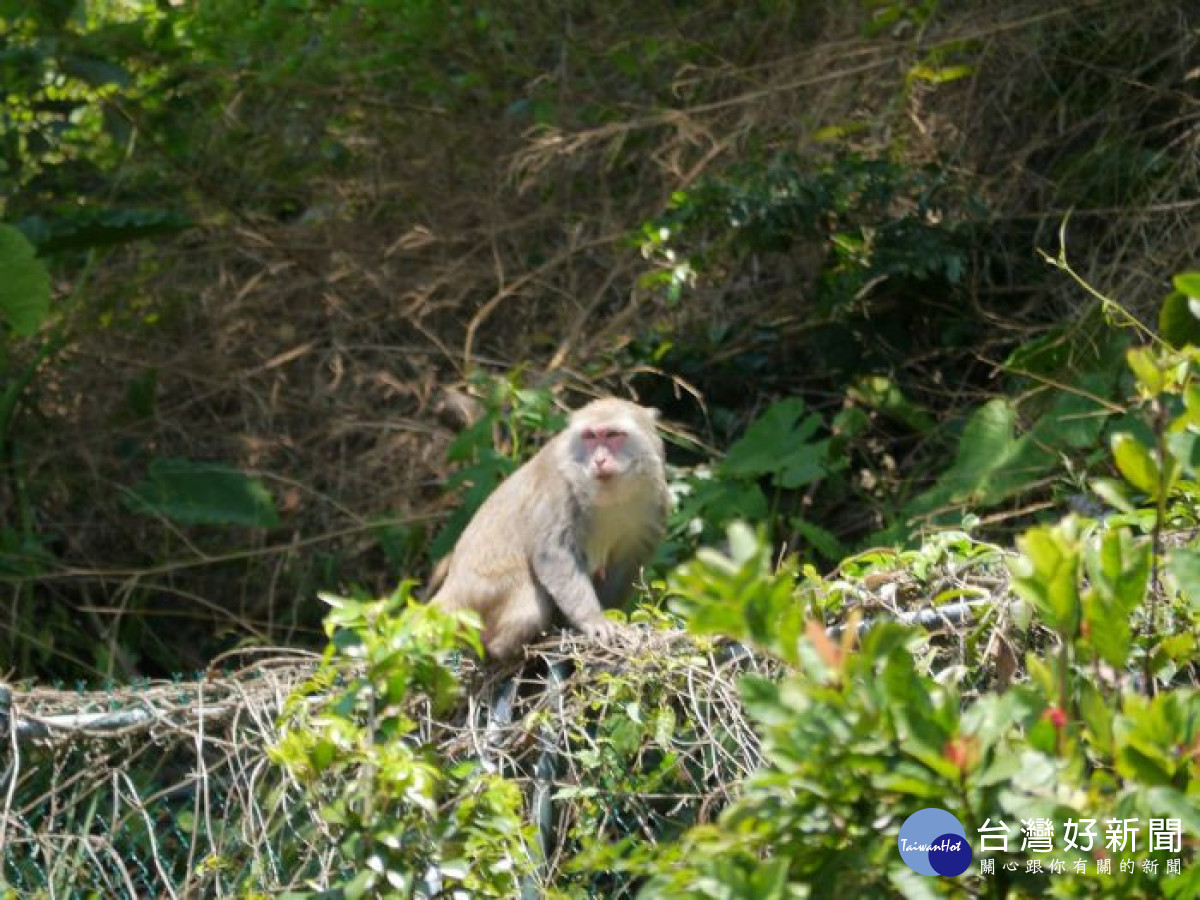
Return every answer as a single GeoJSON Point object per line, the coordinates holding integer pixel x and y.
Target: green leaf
{"type": "Point", "coordinates": [1074, 419]}
{"type": "Point", "coordinates": [1112, 492]}
{"type": "Point", "coordinates": [1185, 447]}
{"type": "Point", "coordinates": [202, 493]}
{"type": "Point", "coordinates": [25, 285]}
{"type": "Point", "coordinates": [987, 440]}
{"type": "Point", "coordinates": [991, 461]}
{"type": "Point", "coordinates": [1119, 566]}
{"type": "Point", "coordinates": [84, 229]}
{"type": "Point", "coordinates": [1191, 405]}
{"type": "Point", "coordinates": [481, 479]}
{"type": "Point", "coordinates": [739, 594]}
{"type": "Point", "coordinates": [1135, 463]}
{"type": "Point", "coordinates": [1177, 323]}
{"type": "Point", "coordinates": [804, 466]}
{"type": "Point", "coordinates": [361, 885]}
{"type": "Point", "coordinates": [1045, 355]}
{"type": "Point", "coordinates": [93, 71]}
{"type": "Point", "coordinates": [1108, 632]}
{"type": "Point", "coordinates": [1096, 715]}
{"type": "Point", "coordinates": [1184, 566]}
{"type": "Point", "coordinates": [1047, 574]}
{"type": "Point", "coordinates": [778, 444]}
{"type": "Point", "coordinates": [1180, 648]}
{"type": "Point", "coordinates": [1146, 369]}
{"type": "Point", "coordinates": [1170, 802]}
{"type": "Point", "coordinates": [1187, 283]}
{"type": "Point", "coordinates": [939, 74]}
{"type": "Point", "coordinates": [712, 503]}
{"type": "Point", "coordinates": [745, 546]}
{"type": "Point", "coordinates": [883, 394]}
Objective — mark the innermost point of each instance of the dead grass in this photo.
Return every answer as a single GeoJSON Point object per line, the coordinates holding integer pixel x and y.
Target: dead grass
{"type": "Point", "coordinates": [312, 351]}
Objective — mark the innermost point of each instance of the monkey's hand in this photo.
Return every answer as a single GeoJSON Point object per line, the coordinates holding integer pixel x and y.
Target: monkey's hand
{"type": "Point", "coordinates": [599, 629]}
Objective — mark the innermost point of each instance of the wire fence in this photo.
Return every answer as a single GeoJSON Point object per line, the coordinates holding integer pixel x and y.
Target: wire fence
{"type": "Point", "coordinates": [166, 789]}
{"type": "Point", "coordinates": [156, 790]}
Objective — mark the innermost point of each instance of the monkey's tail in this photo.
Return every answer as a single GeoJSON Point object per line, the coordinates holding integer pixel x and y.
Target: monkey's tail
{"type": "Point", "coordinates": [437, 579]}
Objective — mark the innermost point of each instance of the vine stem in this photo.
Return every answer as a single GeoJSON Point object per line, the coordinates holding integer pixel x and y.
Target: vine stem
{"type": "Point", "coordinates": [1165, 464]}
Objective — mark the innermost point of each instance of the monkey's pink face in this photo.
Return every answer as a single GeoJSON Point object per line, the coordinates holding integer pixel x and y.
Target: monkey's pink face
{"type": "Point", "coordinates": [604, 450]}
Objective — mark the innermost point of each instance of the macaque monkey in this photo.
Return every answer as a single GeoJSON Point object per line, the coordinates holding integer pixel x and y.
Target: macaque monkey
{"type": "Point", "coordinates": [564, 535]}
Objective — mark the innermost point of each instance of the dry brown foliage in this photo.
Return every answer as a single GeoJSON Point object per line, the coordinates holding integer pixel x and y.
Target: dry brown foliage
{"type": "Point", "coordinates": [313, 351]}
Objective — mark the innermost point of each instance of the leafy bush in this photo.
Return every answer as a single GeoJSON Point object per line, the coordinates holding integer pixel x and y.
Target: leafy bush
{"type": "Point", "coordinates": [860, 737]}
{"type": "Point", "coordinates": [783, 449]}
{"type": "Point", "coordinates": [406, 824]}
{"type": "Point", "coordinates": [869, 239]}
{"type": "Point", "coordinates": [876, 255]}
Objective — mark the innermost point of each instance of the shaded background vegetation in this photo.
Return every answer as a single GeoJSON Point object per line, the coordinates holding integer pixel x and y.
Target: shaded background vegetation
{"type": "Point", "coordinates": [285, 236]}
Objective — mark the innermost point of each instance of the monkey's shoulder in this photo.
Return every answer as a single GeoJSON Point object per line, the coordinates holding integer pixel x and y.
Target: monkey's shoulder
{"type": "Point", "coordinates": [520, 505]}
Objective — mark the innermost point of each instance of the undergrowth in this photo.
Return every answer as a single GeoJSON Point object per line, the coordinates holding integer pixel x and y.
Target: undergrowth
{"type": "Point", "coordinates": [276, 243]}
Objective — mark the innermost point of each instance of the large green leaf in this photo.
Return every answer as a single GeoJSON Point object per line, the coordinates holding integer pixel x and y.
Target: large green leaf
{"type": "Point", "coordinates": [203, 493]}
{"type": "Point", "coordinates": [823, 541]}
{"type": "Point", "coordinates": [1118, 566]}
{"type": "Point", "coordinates": [988, 442]}
{"type": "Point", "coordinates": [991, 462]}
{"type": "Point", "coordinates": [1185, 447]}
{"type": "Point", "coordinates": [740, 594]}
{"type": "Point", "coordinates": [778, 444]}
{"type": "Point", "coordinates": [24, 283]}
{"type": "Point", "coordinates": [1075, 418]}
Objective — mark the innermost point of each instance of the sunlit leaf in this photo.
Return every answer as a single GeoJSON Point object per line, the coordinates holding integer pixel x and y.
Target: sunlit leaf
{"type": "Point", "coordinates": [1184, 565]}
{"type": "Point", "coordinates": [1187, 283]}
{"type": "Point", "coordinates": [779, 443]}
{"type": "Point", "coordinates": [1135, 463]}
{"type": "Point", "coordinates": [1146, 369]}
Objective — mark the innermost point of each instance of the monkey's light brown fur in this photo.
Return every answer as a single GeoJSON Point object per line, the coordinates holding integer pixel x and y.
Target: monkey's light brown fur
{"type": "Point", "coordinates": [564, 535]}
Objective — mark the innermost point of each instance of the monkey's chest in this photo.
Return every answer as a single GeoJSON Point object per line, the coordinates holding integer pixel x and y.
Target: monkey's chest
{"type": "Point", "coordinates": [612, 535]}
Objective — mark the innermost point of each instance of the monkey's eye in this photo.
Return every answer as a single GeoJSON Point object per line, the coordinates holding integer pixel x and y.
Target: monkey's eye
{"type": "Point", "coordinates": [589, 434]}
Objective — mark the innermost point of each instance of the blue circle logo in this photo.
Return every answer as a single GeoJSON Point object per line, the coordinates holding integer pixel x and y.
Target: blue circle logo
{"type": "Point", "coordinates": [933, 842]}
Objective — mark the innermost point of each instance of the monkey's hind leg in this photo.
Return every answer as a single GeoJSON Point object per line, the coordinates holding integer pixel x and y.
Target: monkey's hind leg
{"type": "Point", "coordinates": [523, 616]}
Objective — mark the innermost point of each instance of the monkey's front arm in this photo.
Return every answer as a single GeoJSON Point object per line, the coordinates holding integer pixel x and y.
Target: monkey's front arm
{"type": "Point", "coordinates": [563, 575]}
